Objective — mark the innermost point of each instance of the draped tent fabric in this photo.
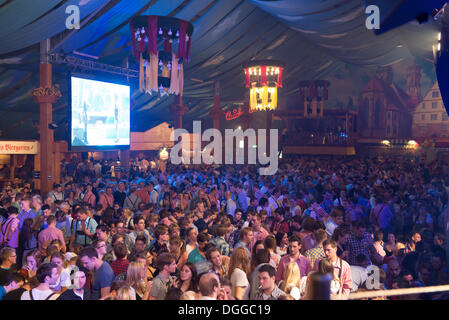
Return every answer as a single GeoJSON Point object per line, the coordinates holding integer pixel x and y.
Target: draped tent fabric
{"type": "Point", "coordinates": [50, 25]}
{"type": "Point", "coordinates": [10, 21]}
{"type": "Point", "coordinates": [314, 39]}
{"type": "Point", "coordinates": [338, 26]}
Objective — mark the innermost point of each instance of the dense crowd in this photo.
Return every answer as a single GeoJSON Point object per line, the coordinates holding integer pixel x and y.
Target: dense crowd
{"type": "Point", "coordinates": [224, 232]}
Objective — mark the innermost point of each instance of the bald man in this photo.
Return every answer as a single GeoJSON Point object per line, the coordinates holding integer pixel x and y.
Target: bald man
{"type": "Point", "coordinates": [210, 287]}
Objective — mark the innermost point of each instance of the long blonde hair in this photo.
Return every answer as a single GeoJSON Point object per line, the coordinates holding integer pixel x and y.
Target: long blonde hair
{"type": "Point", "coordinates": [239, 259]}
{"type": "Point", "coordinates": [134, 277]}
{"type": "Point", "coordinates": [126, 293]}
{"type": "Point", "coordinates": [291, 277]}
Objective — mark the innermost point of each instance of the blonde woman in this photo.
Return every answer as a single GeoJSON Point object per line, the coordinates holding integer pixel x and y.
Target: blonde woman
{"type": "Point", "coordinates": [291, 280]}
{"type": "Point", "coordinates": [178, 250]}
{"type": "Point", "coordinates": [189, 295]}
{"type": "Point", "coordinates": [126, 293]}
{"type": "Point", "coordinates": [136, 278]}
{"type": "Point", "coordinates": [127, 219]}
{"type": "Point", "coordinates": [239, 268]}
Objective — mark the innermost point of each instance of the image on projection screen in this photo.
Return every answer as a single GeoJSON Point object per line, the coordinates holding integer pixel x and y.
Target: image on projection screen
{"type": "Point", "coordinates": [100, 113]}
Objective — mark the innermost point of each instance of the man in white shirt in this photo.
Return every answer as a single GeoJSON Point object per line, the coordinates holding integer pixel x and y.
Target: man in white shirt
{"type": "Point", "coordinates": [335, 220]}
{"type": "Point", "coordinates": [47, 275]}
{"type": "Point", "coordinates": [154, 194]}
{"type": "Point", "coordinates": [358, 272]}
{"type": "Point", "coordinates": [57, 193]}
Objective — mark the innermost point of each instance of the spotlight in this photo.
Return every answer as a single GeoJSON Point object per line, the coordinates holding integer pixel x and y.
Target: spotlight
{"type": "Point", "coordinates": [52, 126]}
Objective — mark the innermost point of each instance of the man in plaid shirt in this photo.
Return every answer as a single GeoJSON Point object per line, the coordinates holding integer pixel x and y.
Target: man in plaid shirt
{"type": "Point", "coordinates": [120, 265]}
{"type": "Point", "coordinates": [219, 241]}
{"type": "Point", "coordinates": [317, 253]}
{"type": "Point", "coordinates": [361, 242]}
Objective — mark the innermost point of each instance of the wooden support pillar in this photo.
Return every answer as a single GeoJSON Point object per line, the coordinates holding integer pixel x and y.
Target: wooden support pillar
{"type": "Point", "coordinates": [46, 135]}
{"type": "Point", "coordinates": [178, 110]}
{"type": "Point", "coordinates": [217, 114]}
{"type": "Point", "coordinates": [46, 97]}
{"type": "Point", "coordinates": [124, 158]}
{"type": "Point", "coordinates": [56, 167]}
{"type": "Point", "coordinates": [246, 120]}
{"type": "Point", "coordinates": [12, 165]}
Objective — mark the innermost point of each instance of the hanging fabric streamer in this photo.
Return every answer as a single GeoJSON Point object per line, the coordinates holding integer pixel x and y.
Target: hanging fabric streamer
{"type": "Point", "coordinates": [154, 58]}
{"type": "Point", "coordinates": [263, 76]}
{"type": "Point", "coordinates": [253, 99]}
{"type": "Point", "coordinates": [274, 98]}
{"type": "Point", "coordinates": [182, 40]}
{"type": "Point", "coordinates": [188, 50]}
{"type": "Point", "coordinates": [141, 74]}
{"type": "Point", "coordinates": [264, 96]}
{"type": "Point", "coordinates": [152, 34]}
{"type": "Point", "coordinates": [174, 82]}
{"type": "Point", "coordinates": [312, 90]}
{"type": "Point", "coordinates": [181, 79]}
{"type": "Point", "coordinates": [248, 84]}
{"type": "Point", "coordinates": [280, 78]}
{"type": "Point", "coordinates": [147, 77]}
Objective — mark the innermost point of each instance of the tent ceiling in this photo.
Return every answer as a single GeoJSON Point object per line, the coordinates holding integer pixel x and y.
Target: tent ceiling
{"type": "Point", "coordinates": [313, 38]}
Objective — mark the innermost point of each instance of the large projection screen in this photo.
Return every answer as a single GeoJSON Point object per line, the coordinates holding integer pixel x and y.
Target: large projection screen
{"type": "Point", "coordinates": [100, 114]}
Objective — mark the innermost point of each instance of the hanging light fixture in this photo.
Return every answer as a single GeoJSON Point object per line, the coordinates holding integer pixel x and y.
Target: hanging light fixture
{"type": "Point", "coordinates": [161, 45]}
{"type": "Point", "coordinates": [263, 77]}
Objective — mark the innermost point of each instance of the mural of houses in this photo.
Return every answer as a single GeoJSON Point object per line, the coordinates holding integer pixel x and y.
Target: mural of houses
{"type": "Point", "coordinates": [430, 118]}
{"type": "Point", "coordinates": [384, 108]}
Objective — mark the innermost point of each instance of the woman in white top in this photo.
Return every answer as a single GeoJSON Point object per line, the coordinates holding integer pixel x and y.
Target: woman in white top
{"type": "Point", "coordinates": [239, 268]}
{"type": "Point", "coordinates": [63, 281]}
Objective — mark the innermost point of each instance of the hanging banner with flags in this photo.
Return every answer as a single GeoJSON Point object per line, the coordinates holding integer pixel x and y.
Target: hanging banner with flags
{"type": "Point", "coordinates": [19, 147]}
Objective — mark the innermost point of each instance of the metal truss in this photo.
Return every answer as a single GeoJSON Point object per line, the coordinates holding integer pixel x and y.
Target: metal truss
{"type": "Point", "coordinates": [57, 58]}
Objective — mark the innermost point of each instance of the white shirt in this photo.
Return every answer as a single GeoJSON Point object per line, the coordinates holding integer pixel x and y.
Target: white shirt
{"type": "Point", "coordinates": [154, 196]}
{"type": "Point", "coordinates": [63, 281]}
{"type": "Point", "coordinates": [358, 276]}
{"type": "Point", "coordinates": [239, 279]}
{"type": "Point", "coordinates": [189, 249]}
{"type": "Point", "coordinates": [231, 206]}
{"type": "Point", "coordinates": [330, 227]}
{"type": "Point", "coordinates": [81, 295]}
{"type": "Point", "coordinates": [39, 295]}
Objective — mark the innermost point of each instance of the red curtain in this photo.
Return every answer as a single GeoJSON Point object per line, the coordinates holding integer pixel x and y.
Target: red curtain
{"type": "Point", "coordinates": [263, 76]}
{"type": "Point", "coordinates": [280, 78]}
{"type": "Point", "coordinates": [152, 34]}
{"type": "Point", "coordinates": [182, 40]}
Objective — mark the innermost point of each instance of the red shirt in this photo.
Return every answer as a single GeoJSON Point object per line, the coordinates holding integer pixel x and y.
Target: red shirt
{"type": "Point", "coordinates": [119, 266]}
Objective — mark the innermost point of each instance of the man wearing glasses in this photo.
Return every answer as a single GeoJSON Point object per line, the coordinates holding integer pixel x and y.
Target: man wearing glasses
{"type": "Point", "coordinates": [8, 260]}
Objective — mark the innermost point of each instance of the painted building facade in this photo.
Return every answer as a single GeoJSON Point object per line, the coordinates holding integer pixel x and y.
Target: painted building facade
{"type": "Point", "coordinates": [430, 118]}
{"type": "Point", "coordinates": [385, 110]}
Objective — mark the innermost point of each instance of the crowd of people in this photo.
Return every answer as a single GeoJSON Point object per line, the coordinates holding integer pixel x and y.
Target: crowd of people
{"type": "Point", "coordinates": [226, 233]}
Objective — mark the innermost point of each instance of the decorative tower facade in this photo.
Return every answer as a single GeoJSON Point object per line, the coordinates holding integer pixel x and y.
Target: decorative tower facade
{"type": "Point", "coordinates": [414, 85]}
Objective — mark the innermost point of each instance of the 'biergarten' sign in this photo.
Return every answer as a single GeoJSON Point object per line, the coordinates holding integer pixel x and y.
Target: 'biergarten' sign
{"type": "Point", "coordinates": [235, 113]}
{"type": "Point", "coordinates": [18, 147]}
